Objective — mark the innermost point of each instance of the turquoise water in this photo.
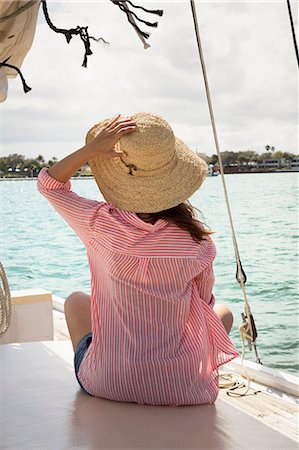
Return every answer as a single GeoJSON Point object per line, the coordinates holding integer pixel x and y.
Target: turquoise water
{"type": "Point", "coordinates": [38, 249]}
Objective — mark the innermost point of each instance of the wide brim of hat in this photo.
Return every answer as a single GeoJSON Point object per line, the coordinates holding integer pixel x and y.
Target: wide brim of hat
{"type": "Point", "coordinates": [154, 193]}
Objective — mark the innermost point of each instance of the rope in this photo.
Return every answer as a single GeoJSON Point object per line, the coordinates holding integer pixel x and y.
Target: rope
{"type": "Point", "coordinates": [247, 328]}
{"type": "Point", "coordinates": [230, 379]}
{"type": "Point", "coordinates": [133, 22]}
{"type": "Point", "coordinates": [5, 302]}
{"type": "Point", "coordinates": [81, 31]}
{"type": "Point", "coordinates": [16, 13]}
{"type": "Point", "coordinates": [26, 88]}
{"type": "Point", "coordinates": [293, 31]}
{"type": "Point", "coordinates": [132, 17]}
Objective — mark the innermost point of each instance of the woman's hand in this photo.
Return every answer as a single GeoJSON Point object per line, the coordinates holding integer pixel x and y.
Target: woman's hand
{"type": "Point", "coordinates": [103, 144]}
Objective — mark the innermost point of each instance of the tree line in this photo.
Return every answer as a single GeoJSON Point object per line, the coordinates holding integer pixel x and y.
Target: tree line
{"type": "Point", "coordinates": [247, 157]}
{"type": "Point", "coordinates": [15, 164]}
{"type": "Point", "coordinates": [18, 164]}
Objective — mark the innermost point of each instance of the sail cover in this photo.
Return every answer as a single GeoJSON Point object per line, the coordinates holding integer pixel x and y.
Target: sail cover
{"type": "Point", "coordinates": [17, 27]}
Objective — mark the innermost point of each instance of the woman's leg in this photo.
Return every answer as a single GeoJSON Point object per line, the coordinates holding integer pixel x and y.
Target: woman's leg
{"type": "Point", "coordinates": [225, 315]}
{"type": "Point", "coordinates": [78, 316]}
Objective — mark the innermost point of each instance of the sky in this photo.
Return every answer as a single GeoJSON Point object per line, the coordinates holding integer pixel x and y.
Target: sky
{"type": "Point", "coordinates": [250, 61]}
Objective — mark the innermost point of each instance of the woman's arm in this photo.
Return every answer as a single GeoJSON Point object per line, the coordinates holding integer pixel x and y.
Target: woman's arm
{"type": "Point", "coordinates": [54, 183]}
{"type": "Point", "coordinates": [63, 170]}
{"type": "Point", "coordinates": [102, 145]}
{"type": "Point", "coordinates": [79, 212]}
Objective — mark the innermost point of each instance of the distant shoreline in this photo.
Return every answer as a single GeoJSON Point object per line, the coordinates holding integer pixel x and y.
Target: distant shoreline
{"type": "Point", "coordinates": [212, 176]}
{"type": "Point", "coordinates": [260, 171]}
{"type": "Point", "coordinates": [35, 178]}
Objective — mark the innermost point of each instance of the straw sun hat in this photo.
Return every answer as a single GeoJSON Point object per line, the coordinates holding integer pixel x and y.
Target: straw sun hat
{"type": "Point", "coordinates": [157, 172]}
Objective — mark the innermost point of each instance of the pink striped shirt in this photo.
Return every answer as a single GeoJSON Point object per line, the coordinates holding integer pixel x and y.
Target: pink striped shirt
{"type": "Point", "coordinates": [155, 336]}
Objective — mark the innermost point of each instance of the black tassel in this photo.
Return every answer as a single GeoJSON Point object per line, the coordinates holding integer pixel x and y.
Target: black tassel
{"type": "Point", "coordinates": [81, 31]}
{"type": "Point", "coordinates": [149, 24]}
{"type": "Point", "coordinates": [123, 7]}
{"type": "Point", "coordinates": [159, 12]}
{"type": "Point", "coordinates": [85, 38]}
{"type": "Point", "coordinates": [26, 88]}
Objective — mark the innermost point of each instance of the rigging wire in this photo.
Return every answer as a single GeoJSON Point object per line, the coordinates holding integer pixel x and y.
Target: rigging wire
{"type": "Point", "coordinates": [247, 328]}
{"type": "Point", "coordinates": [293, 31]}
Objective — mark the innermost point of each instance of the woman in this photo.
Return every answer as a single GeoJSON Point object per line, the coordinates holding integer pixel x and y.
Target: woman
{"type": "Point", "coordinates": [150, 333]}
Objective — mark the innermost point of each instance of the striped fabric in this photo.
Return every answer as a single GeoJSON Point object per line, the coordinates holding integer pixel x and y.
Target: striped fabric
{"type": "Point", "coordinates": [155, 337]}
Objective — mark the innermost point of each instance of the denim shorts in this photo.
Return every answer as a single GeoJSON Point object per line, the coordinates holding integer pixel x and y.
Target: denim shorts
{"type": "Point", "coordinates": [79, 354]}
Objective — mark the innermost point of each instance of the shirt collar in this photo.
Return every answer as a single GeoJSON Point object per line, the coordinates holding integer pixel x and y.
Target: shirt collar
{"type": "Point", "coordinates": [139, 223]}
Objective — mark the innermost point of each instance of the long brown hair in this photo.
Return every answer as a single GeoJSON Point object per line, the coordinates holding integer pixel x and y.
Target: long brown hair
{"type": "Point", "coordinates": [185, 217]}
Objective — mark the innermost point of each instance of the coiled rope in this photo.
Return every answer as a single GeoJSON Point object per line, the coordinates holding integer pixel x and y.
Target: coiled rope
{"type": "Point", "coordinates": [247, 328]}
{"type": "Point", "coordinates": [5, 302]}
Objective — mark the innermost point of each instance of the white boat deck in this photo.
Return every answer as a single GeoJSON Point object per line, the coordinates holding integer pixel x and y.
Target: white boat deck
{"type": "Point", "coordinates": [269, 406]}
{"type": "Point", "coordinates": [44, 408]}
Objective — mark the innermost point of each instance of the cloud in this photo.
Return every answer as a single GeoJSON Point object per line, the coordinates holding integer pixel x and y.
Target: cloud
{"type": "Point", "coordinates": [249, 57]}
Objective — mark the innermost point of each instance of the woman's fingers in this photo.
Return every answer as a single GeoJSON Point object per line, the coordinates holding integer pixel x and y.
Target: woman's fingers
{"type": "Point", "coordinates": [113, 121]}
{"type": "Point", "coordinates": [121, 125]}
{"type": "Point", "coordinates": [121, 122]}
{"type": "Point", "coordinates": [121, 132]}
{"type": "Point", "coordinates": [125, 130]}
{"type": "Point", "coordinates": [116, 152]}
{"type": "Point", "coordinates": [108, 137]}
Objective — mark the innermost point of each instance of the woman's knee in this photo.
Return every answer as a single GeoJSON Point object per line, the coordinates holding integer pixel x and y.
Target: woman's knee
{"type": "Point", "coordinates": [226, 316]}
{"type": "Point", "coordinates": [74, 300]}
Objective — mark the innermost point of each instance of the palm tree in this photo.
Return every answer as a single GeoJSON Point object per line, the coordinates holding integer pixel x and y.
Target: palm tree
{"type": "Point", "coordinates": [40, 159]}
{"type": "Point", "coordinates": [52, 161]}
{"type": "Point", "coordinates": [269, 148]}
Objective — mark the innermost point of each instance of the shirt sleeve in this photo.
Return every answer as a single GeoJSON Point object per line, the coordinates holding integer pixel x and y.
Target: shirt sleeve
{"type": "Point", "coordinates": [79, 212]}
{"type": "Point", "coordinates": [205, 283]}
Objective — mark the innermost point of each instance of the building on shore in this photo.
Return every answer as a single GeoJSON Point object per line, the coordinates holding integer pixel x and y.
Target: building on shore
{"type": "Point", "coordinates": [291, 164]}
{"type": "Point", "coordinates": [295, 164]}
{"type": "Point", "coordinates": [267, 165]}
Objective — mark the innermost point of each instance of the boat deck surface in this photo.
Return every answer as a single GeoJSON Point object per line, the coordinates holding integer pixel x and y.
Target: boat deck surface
{"type": "Point", "coordinates": [270, 406]}
{"type": "Point", "coordinates": [43, 407]}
